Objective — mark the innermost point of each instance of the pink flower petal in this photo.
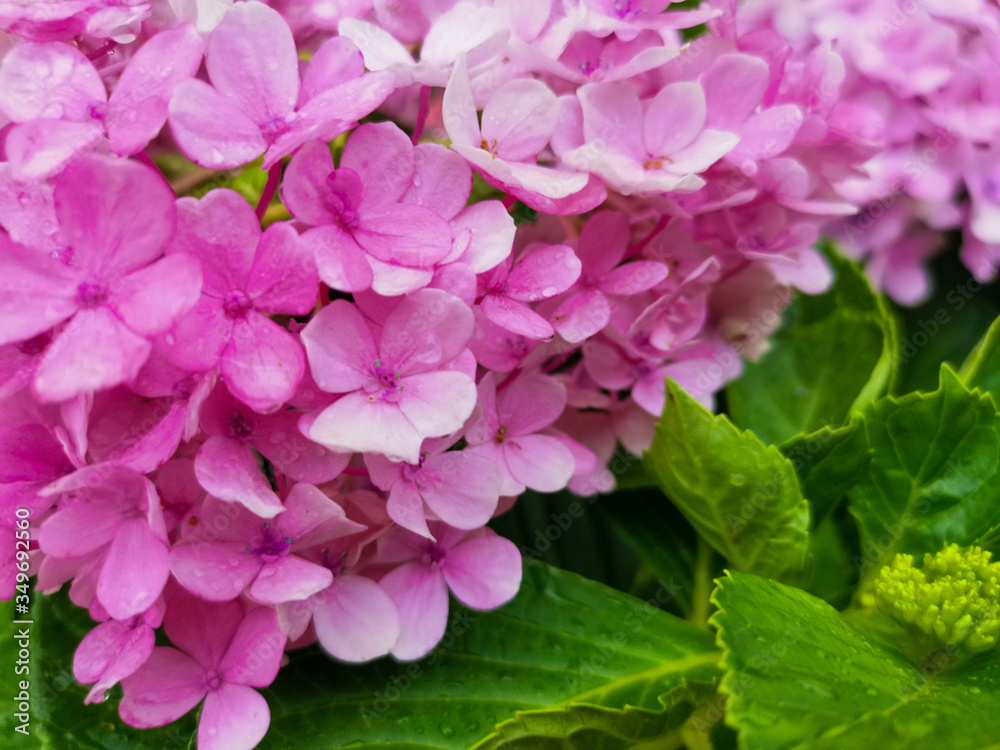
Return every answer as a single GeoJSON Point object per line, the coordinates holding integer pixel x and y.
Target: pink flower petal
{"type": "Point", "coordinates": [203, 630]}
{"type": "Point", "coordinates": [459, 108]}
{"type": "Point", "coordinates": [581, 315]}
{"type": "Point", "coordinates": [437, 403]}
{"type": "Point", "coordinates": [152, 297]}
{"type": "Point", "coordinates": [734, 86]}
{"type": "Point", "coordinates": [234, 717]}
{"type": "Point", "coordinates": [490, 231]}
{"type": "Point", "coordinates": [198, 338]}
{"type": "Point", "coordinates": [675, 117]}
{"type": "Point", "coordinates": [603, 242]}
{"type": "Point", "coordinates": [137, 108]}
{"type": "Point", "coordinates": [36, 292]}
{"type": "Point", "coordinates": [304, 189]}
{"type": "Point", "coordinates": [382, 156]}
{"type": "Point", "coordinates": [540, 462]}
{"type": "Point", "coordinates": [340, 261]}
{"type": "Point", "coordinates": [634, 277]}
{"type": "Point", "coordinates": [109, 653]}
{"type": "Point", "coordinates": [355, 423]}
{"type": "Point", "coordinates": [426, 328]}
{"type": "Point", "coordinates": [483, 573]}
{"type": "Point", "coordinates": [421, 598]}
{"type": "Point", "coordinates": [404, 234]}
{"type": "Point", "coordinates": [519, 119]}
{"type": "Point", "coordinates": [333, 112]}
{"type": "Point", "coordinates": [136, 569]}
{"type": "Point", "coordinates": [391, 280]}
{"type": "Point", "coordinates": [543, 274]}
{"type": "Point", "coordinates": [215, 571]}
{"type": "Point", "coordinates": [123, 225]}
{"type": "Point", "coordinates": [48, 81]}
{"type": "Point", "coordinates": [340, 347]}
{"type": "Point", "coordinates": [335, 61]}
{"type": "Point", "coordinates": [288, 579]}
{"type": "Point", "coordinates": [530, 403]}
{"type": "Point", "coordinates": [210, 130]}
{"type": "Point", "coordinates": [442, 180]}
{"type": "Point", "coordinates": [255, 653]}
{"type": "Point", "coordinates": [516, 317]}
{"type": "Point", "coordinates": [355, 619]}
{"type": "Point", "coordinates": [611, 115]}
{"type": "Point", "coordinates": [39, 149]}
{"type": "Point", "coordinates": [252, 61]}
{"type": "Point", "coordinates": [263, 364]}
{"type": "Point", "coordinates": [294, 455]}
{"type": "Point", "coordinates": [165, 688]}
{"type": "Point", "coordinates": [406, 507]}
{"type": "Point", "coordinates": [60, 535]}
{"type": "Point", "coordinates": [466, 489]}
{"type": "Point", "coordinates": [94, 351]}
{"type": "Point", "coordinates": [227, 470]}
{"type": "Point", "coordinates": [283, 277]}
{"type": "Point", "coordinates": [222, 231]}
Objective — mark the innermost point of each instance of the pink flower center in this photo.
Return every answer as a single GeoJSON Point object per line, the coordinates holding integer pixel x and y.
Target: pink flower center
{"type": "Point", "coordinates": [270, 545]}
{"type": "Point", "coordinates": [434, 556]}
{"type": "Point", "coordinates": [213, 680]}
{"type": "Point", "coordinates": [415, 472]}
{"type": "Point", "coordinates": [239, 427]}
{"type": "Point", "coordinates": [387, 381]}
{"type": "Point", "coordinates": [89, 295]}
{"type": "Point", "coordinates": [623, 8]}
{"type": "Point", "coordinates": [237, 304]}
{"type": "Point", "coordinates": [341, 198]}
{"type": "Point", "coordinates": [274, 128]}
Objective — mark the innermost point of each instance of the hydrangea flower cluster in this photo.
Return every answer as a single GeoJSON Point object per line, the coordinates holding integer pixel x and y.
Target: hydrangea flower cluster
{"type": "Point", "coordinates": [261, 438]}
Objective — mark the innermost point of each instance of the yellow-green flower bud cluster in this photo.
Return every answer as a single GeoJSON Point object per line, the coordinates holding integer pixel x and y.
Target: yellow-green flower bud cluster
{"type": "Point", "coordinates": [955, 597]}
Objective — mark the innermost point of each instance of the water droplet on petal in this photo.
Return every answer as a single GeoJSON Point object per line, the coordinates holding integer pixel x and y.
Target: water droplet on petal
{"type": "Point", "coordinates": [549, 291]}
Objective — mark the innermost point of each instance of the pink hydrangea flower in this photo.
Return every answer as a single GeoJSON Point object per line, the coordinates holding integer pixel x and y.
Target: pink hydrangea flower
{"type": "Point", "coordinates": [224, 654]}
{"type": "Point", "coordinates": [108, 281]}
{"type": "Point", "coordinates": [253, 103]}
{"type": "Point", "coordinates": [398, 388]}
{"type": "Point", "coordinates": [248, 275]}
{"type": "Point", "coordinates": [481, 569]}
{"type": "Point", "coordinates": [506, 433]}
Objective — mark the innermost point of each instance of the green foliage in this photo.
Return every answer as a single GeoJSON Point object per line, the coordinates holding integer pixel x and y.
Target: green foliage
{"type": "Point", "coordinates": [568, 660]}
{"type": "Point", "coordinates": [743, 497]}
{"type": "Point", "coordinates": [982, 367]}
{"type": "Point", "coordinates": [829, 462]}
{"type": "Point", "coordinates": [934, 476]}
{"type": "Point", "coordinates": [798, 674]}
{"type": "Point", "coordinates": [834, 353]}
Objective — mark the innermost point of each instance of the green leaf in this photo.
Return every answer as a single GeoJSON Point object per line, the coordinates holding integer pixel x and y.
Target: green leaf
{"type": "Point", "coordinates": [982, 367]}
{"type": "Point", "coordinates": [829, 462]}
{"type": "Point", "coordinates": [587, 727]}
{"type": "Point", "coordinates": [743, 497]}
{"type": "Point", "coordinates": [934, 477]}
{"type": "Point", "coordinates": [580, 658]}
{"type": "Point", "coordinates": [562, 641]}
{"type": "Point", "coordinates": [834, 352]}
{"type": "Point", "coordinates": [798, 674]}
